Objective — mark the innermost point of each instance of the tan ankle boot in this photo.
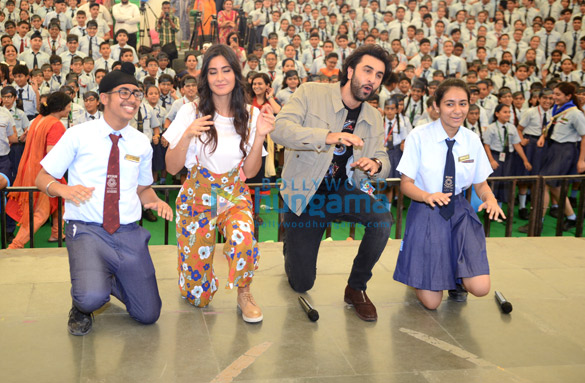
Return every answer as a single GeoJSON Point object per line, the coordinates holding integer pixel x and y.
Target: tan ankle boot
{"type": "Point", "coordinates": [251, 313]}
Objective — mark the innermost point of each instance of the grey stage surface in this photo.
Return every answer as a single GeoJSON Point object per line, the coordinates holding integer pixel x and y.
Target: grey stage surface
{"type": "Point", "coordinates": [542, 340]}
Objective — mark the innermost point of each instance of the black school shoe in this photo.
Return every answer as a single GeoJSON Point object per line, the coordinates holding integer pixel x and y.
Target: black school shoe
{"type": "Point", "coordinates": [459, 294]}
{"type": "Point", "coordinates": [554, 212]}
{"type": "Point", "coordinates": [569, 224]}
{"type": "Point", "coordinates": [524, 214]}
{"type": "Point", "coordinates": [149, 215]}
{"type": "Point", "coordinates": [79, 323]}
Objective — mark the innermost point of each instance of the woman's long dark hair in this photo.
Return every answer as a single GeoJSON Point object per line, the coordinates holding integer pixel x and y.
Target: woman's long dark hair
{"type": "Point", "coordinates": [238, 102]}
{"type": "Point", "coordinates": [56, 102]}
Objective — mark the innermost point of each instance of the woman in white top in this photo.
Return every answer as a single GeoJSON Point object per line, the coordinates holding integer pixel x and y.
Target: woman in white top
{"type": "Point", "coordinates": [444, 243]}
{"type": "Point", "coordinates": [218, 140]}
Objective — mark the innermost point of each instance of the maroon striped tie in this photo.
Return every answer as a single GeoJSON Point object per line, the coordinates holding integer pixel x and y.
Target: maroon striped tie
{"type": "Point", "coordinates": [112, 194]}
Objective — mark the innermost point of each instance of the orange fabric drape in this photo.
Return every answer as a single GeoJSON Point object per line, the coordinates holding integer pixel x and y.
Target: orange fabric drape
{"type": "Point", "coordinates": [208, 9]}
{"type": "Point", "coordinates": [30, 166]}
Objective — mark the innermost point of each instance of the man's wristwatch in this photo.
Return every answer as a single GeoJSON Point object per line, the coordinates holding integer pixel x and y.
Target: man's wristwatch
{"type": "Point", "coordinates": [379, 164]}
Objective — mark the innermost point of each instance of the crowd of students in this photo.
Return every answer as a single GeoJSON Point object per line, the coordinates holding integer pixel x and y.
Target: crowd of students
{"type": "Point", "coordinates": [515, 58]}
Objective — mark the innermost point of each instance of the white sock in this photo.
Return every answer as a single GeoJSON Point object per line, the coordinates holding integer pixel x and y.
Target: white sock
{"type": "Point", "coordinates": [522, 200]}
{"type": "Point", "coordinates": [572, 217]}
{"type": "Point", "coordinates": [554, 205]}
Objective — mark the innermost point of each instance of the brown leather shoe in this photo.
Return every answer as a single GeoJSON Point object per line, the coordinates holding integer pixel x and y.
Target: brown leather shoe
{"type": "Point", "coordinates": [364, 308]}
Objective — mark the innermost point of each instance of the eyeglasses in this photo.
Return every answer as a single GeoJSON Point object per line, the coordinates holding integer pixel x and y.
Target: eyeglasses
{"type": "Point", "coordinates": [125, 93]}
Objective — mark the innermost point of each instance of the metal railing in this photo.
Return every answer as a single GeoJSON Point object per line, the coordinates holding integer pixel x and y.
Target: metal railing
{"type": "Point", "coordinates": [536, 183]}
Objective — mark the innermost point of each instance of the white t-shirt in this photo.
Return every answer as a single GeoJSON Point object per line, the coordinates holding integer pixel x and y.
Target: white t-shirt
{"type": "Point", "coordinates": [227, 155]}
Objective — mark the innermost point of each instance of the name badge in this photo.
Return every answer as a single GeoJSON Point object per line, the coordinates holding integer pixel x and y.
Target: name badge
{"type": "Point", "coordinates": [502, 157]}
{"type": "Point", "coordinates": [464, 158]}
{"type": "Point", "coordinates": [132, 158]}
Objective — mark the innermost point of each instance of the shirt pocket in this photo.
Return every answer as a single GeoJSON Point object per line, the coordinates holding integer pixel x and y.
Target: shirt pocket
{"type": "Point", "coordinates": [465, 173]}
{"type": "Point", "coordinates": [129, 173]}
{"type": "Point", "coordinates": [315, 121]}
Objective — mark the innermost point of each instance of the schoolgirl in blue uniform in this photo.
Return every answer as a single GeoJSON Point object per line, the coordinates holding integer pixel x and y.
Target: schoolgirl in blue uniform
{"type": "Point", "coordinates": [533, 121]}
{"type": "Point", "coordinates": [500, 140]}
{"type": "Point", "coordinates": [564, 154]}
{"type": "Point", "coordinates": [444, 242]}
{"type": "Point", "coordinates": [395, 130]}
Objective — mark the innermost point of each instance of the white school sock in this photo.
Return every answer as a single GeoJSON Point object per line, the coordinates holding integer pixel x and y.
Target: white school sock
{"type": "Point", "coordinates": [522, 201]}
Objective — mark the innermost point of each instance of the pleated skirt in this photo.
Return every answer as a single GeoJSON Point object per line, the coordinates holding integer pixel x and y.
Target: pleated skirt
{"type": "Point", "coordinates": [435, 253]}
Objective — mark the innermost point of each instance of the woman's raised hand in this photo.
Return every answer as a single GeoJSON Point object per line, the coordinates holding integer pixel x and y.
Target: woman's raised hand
{"type": "Point", "coordinates": [265, 123]}
{"type": "Point", "coordinates": [199, 126]}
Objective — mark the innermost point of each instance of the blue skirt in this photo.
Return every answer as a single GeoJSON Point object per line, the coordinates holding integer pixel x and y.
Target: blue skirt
{"type": "Point", "coordinates": [501, 189]}
{"type": "Point", "coordinates": [560, 160]}
{"type": "Point", "coordinates": [535, 156]}
{"type": "Point", "coordinates": [435, 253]}
{"type": "Point", "coordinates": [394, 155]}
{"type": "Point", "coordinates": [158, 157]}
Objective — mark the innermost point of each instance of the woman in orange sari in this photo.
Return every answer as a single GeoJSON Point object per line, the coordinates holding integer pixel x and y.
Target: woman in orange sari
{"type": "Point", "coordinates": [44, 132]}
{"type": "Point", "coordinates": [226, 21]}
{"type": "Point", "coordinates": [207, 9]}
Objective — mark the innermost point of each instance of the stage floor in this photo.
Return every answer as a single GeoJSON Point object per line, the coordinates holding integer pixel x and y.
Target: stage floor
{"type": "Point", "coordinates": [542, 340]}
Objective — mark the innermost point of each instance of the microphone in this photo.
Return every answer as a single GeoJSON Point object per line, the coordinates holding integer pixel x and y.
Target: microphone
{"type": "Point", "coordinates": [311, 312]}
{"type": "Point", "coordinates": [504, 304]}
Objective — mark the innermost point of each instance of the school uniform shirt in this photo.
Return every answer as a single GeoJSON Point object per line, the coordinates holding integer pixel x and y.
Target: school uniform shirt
{"type": "Point", "coordinates": [145, 116]}
{"type": "Point", "coordinates": [86, 83]}
{"type": "Point", "coordinates": [17, 40]}
{"type": "Point", "coordinates": [59, 44]}
{"type": "Point", "coordinates": [42, 11]}
{"type": "Point", "coordinates": [44, 33]}
{"type": "Point", "coordinates": [578, 76]}
{"type": "Point", "coordinates": [570, 127]}
{"type": "Point", "coordinates": [29, 58]}
{"type": "Point", "coordinates": [6, 130]}
{"type": "Point", "coordinates": [116, 49]}
{"type": "Point", "coordinates": [284, 95]}
{"type": "Point", "coordinates": [29, 99]}
{"type": "Point", "coordinates": [160, 113]}
{"type": "Point", "coordinates": [226, 156]}
{"type": "Point", "coordinates": [56, 82]}
{"type": "Point", "coordinates": [175, 108]}
{"type": "Point", "coordinates": [426, 146]}
{"type": "Point", "coordinates": [75, 117]}
{"type": "Point", "coordinates": [496, 134]}
{"type": "Point", "coordinates": [21, 122]}
{"type": "Point", "coordinates": [397, 136]}
{"type": "Point", "coordinates": [45, 87]}
{"type": "Point", "coordinates": [517, 86]}
{"type": "Point", "coordinates": [83, 152]}
{"type": "Point", "coordinates": [413, 110]}
{"type": "Point", "coordinates": [102, 63]}
{"type": "Point", "coordinates": [79, 31]}
{"type": "Point", "coordinates": [532, 120]}
{"type": "Point", "coordinates": [166, 101]}
{"type": "Point", "coordinates": [64, 20]}
{"type": "Point", "coordinates": [310, 54]}
{"type": "Point", "coordinates": [475, 128]}
{"type": "Point", "coordinates": [168, 71]}
{"type": "Point", "coordinates": [95, 46]}
{"type": "Point", "coordinates": [89, 117]}
{"type": "Point", "coordinates": [66, 59]}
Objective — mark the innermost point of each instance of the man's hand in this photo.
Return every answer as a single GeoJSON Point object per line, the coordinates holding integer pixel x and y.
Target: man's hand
{"type": "Point", "coordinates": [366, 164]}
{"type": "Point", "coordinates": [162, 208]}
{"type": "Point", "coordinates": [346, 139]}
{"type": "Point", "coordinates": [77, 194]}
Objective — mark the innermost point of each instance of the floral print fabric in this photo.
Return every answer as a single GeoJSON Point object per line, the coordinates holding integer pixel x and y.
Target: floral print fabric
{"type": "Point", "coordinates": [208, 200]}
